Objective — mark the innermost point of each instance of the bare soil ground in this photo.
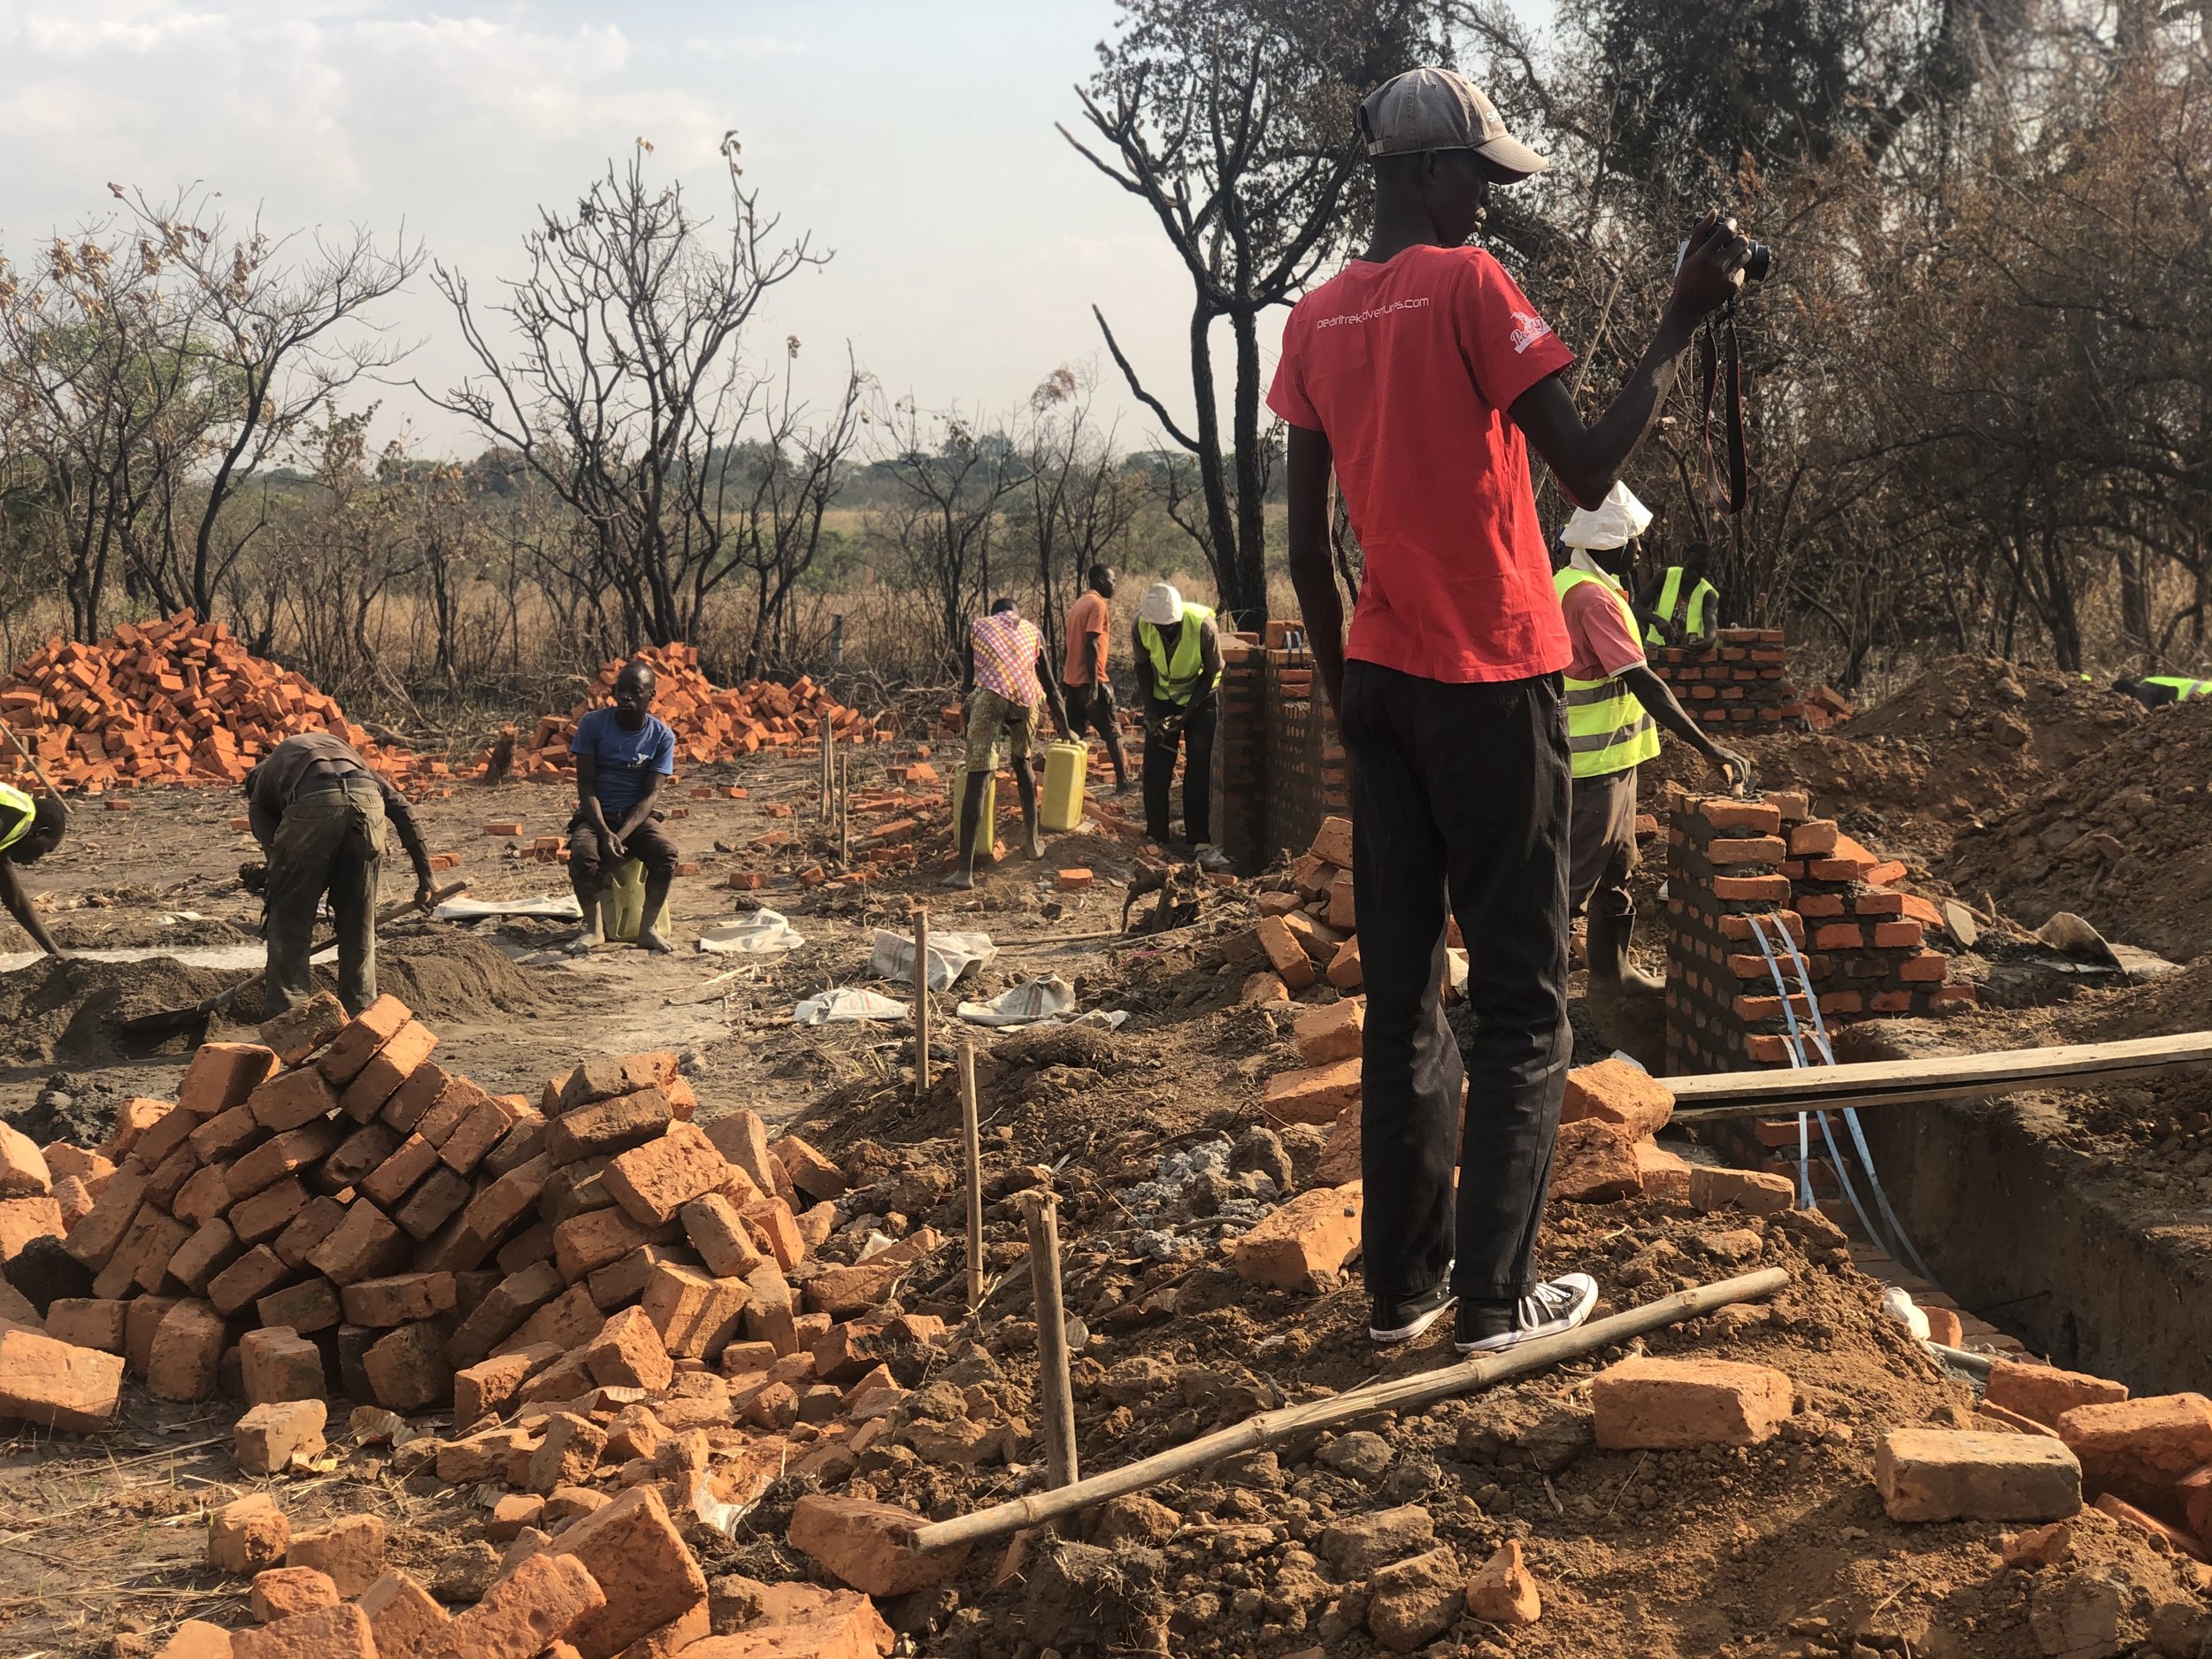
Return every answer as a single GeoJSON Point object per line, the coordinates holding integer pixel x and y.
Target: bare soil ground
{"type": "Point", "coordinates": [1780, 1549]}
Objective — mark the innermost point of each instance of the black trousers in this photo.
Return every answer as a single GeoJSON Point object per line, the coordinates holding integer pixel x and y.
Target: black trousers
{"type": "Point", "coordinates": [648, 843]}
{"type": "Point", "coordinates": [1459, 808]}
{"type": "Point", "coordinates": [1092, 707]}
{"type": "Point", "coordinates": [1196, 740]}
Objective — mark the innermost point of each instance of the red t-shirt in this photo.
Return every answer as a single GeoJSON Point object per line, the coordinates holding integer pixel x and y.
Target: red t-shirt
{"type": "Point", "coordinates": [1409, 367]}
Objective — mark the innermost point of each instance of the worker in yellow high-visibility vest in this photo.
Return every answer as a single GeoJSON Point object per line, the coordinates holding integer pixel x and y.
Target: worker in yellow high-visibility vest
{"type": "Point", "coordinates": [2155, 691]}
{"type": "Point", "coordinates": [31, 827]}
{"type": "Point", "coordinates": [1615, 704]}
{"type": "Point", "coordinates": [1679, 606]}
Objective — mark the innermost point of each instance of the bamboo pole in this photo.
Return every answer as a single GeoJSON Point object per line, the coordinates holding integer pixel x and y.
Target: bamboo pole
{"type": "Point", "coordinates": [971, 1142]}
{"type": "Point", "coordinates": [921, 1003]}
{"type": "Point", "coordinates": [1041, 1216]}
{"type": "Point", "coordinates": [1718, 1097]}
{"type": "Point", "coordinates": [845, 805]}
{"type": "Point", "coordinates": [1402, 1394]}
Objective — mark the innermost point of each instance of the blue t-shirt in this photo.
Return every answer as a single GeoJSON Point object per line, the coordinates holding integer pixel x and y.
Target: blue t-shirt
{"type": "Point", "coordinates": [624, 758]}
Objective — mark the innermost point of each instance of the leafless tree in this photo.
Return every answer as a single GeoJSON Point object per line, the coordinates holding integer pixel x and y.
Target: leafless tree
{"type": "Point", "coordinates": [628, 381]}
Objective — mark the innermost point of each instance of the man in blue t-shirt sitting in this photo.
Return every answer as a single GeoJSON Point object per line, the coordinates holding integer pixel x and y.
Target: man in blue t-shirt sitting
{"type": "Point", "coordinates": [622, 754]}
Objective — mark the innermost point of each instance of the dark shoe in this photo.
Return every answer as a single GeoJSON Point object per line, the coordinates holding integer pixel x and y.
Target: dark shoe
{"type": "Point", "coordinates": [1391, 1322]}
{"type": "Point", "coordinates": [1556, 1305]}
{"type": "Point", "coordinates": [1605, 945]}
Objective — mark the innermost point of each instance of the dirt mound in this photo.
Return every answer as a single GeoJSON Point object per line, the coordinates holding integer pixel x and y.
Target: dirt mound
{"type": "Point", "coordinates": [66, 1009]}
{"type": "Point", "coordinates": [78, 1109]}
{"type": "Point", "coordinates": [441, 976]}
{"type": "Point", "coordinates": [1962, 744]}
{"type": "Point", "coordinates": [2124, 837]}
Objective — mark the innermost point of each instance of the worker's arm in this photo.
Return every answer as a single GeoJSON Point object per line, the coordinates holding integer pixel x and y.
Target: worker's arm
{"type": "Point", "coordinates": [638, 814]}
{"type": "Point", "coordinates": [18, 902]}
{"type": "Point", "coordinates": [403, 818]}
{"type": "Point", "coordinates": [1711, 629]}
{"type": "Point", "coordinates": [1093, 658]}
{"type": "Point", "coordinates": [1050, 681]}
{"type": "Point", "coordinates": [587, 800]}
{"type": "Point", "coordinates": [263, 815]}
{"type": "Point", "coordinates": [967, 669]}
{"type": "Point", "coordinates": [1209, 667]}
{"type": "Point", "coordinates": [1658, 700]}
{"type": "Point", "coordinates": [1587, 459]}
{"type": "Point", "coordinates": [1320, 605]}
{"type": "Point", "coordinates": [1646, 605]}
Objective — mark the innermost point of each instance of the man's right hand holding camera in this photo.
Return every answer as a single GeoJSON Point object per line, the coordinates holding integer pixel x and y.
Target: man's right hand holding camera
{"type": "Point", "coordinates": [1710, 273]}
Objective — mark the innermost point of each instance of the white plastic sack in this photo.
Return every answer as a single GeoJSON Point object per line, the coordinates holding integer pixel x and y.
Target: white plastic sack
{"type": "Point", "coordinates": [847, 1003]}
{"type": "Point", "coordinates": [1024, 1004]}
{"type": "Point", "coordinates": [562, 909]}
{"type": "Point", "coordinates": [950, 955]}
{"type": "Point", "coordinates": [762, 933]}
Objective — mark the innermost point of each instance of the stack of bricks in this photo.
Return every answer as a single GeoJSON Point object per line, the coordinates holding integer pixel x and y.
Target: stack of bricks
{"type": "Point", "coordinates": [1741, 679]}
{"type": "Point", "coordinates": [1864, 941]}
{"type": "Point", "coordinates": [1239, 779]}
{"type": "Point", "coordinates": [399, 1226]}
{"type": "Point", "coordinates": [179, 700]}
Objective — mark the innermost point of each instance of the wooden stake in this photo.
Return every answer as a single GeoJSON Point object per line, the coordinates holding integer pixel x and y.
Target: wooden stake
{"type": "Point", "coordinates": [921, 1003]}
{"type": "Point", "coordinates": [1040, 1215]}
{"type": "Point", "coordinates": [972, 1141]}
{"type": "Point", "coordinates": [1402, 1393]}
{"type": "Point", "coordinates": [845, 806]}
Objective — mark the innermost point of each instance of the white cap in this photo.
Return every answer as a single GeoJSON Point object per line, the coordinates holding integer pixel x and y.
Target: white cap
{"type": "Point", "coordinates": [1618, 521]}
{"type": "Point", "coordinates": [1161, 606]}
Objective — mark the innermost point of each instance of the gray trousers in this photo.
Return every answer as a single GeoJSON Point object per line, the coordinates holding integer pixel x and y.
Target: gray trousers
{"type": "Point", "coordinates": [330, 839]}
{"type": "Point", "coordinates": [1601, 845]}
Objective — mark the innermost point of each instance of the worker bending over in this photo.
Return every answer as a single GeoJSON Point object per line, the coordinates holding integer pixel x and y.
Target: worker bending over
{"type": "Point", "coordinates": [1004, 678]}
{"type": "Point", "coordinates": [319, 814]}
{"type": "Point", "coordinates": [1179, 670]}
{"type": "Point", "coordinates": [1421, 374]}
{"type": "Point", "coordinates": [2155, 691]}
{"type": "Point", "coordinates": [31, 827]}
{"type": "Point", "coordinates": [622, 752]}
{"type": "Point", "coordinates": [1613, 701]}
{"type": "Point", "coordinates": [1663, 601]}
{"type": "Point", "coordinates": [1088, 692]}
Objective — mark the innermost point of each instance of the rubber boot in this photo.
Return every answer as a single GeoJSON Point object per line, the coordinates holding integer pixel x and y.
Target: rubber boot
{"type": "Point", "coordinates": [1628, 1008]}
{"type": "Point", "coordinates": [1026, 786]}
{"type": "Point", "coordinates": [1606, 944]}
{"type": "Point", "coordinates": [971, 821]}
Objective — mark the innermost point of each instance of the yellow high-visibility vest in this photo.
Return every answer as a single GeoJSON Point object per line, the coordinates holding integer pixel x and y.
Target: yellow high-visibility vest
{"type": "Point", "coordinates": [1175, 679]}
{"type": "Point", "coordinates": [2183, 687]}
{"type": "Point", "coordinates": [13, 800]}
{"type": "Point", "coordinates": [1670, 596]}
{"type": "Point", "coordinates": [1608, 730]}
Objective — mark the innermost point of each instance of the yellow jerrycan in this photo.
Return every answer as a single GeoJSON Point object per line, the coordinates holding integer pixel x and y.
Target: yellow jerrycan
{"type": "Point", "coordinates": [1064, 766]}
{"type": "Point", "coordinates": [985, 821]}
{"type": "Point", "coordinates": [622, 902]}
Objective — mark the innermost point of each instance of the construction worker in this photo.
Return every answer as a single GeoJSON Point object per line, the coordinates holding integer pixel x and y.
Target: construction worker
{"type": "Point", "coordinates": [1178, 670]}
{"type": "Point", "coordinates": [1613, 701]}
{"type": "Point", "coordinates": [1419, 375]}
{"type": "Point", "coordinates": [1004, 678]}
{"type": "Point", "coordinates": [1661, 601]}
{"type": "Point", "coordinates": [319, 814]}
{"type": "Point", "coordinates": [1084, 687]}
{"type": "Point", "coordinates": [31, 827]}
{"type": "Point", "coordinates": [622, 752]}
{"type": "Point", "coordinates": [2155, 691]}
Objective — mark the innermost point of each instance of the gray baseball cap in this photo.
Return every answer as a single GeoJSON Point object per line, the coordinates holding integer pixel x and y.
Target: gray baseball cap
{"type": "Point", "coordinates": [1434, 108]}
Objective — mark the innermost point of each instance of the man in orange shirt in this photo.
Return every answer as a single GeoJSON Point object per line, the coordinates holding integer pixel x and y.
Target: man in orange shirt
{"type": "Point", "coordinates": [1088, 692]}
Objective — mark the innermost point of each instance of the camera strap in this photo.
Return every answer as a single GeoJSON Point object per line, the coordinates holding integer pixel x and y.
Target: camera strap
{"type": "Point", "coordinates": [1711, 354]}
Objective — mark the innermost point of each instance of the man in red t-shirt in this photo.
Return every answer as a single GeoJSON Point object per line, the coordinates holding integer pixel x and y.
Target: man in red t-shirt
{"type": "Point", "coordinates": [1420, 373]}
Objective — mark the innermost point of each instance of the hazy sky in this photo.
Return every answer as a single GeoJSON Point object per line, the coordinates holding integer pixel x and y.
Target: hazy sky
{"type": "Point", "coordinates": [914, 139]}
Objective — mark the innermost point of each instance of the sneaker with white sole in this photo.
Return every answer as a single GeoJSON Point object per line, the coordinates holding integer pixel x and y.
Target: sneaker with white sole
{"type": "Point", "coordinates": [1556, 1305]}
{"type": "Point", "coordinates": [1389, 1322]}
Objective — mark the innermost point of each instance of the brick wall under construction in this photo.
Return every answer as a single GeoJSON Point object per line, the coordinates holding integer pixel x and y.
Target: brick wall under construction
{"type": "Point", "coordinates": [1279, 769]}
{"type": "Point", "coordinates": [1863, 942]}
{"type": "Point", "coordinates": [1741, 679]}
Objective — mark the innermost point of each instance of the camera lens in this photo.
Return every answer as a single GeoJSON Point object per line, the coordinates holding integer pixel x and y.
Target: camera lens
{"type": "Point", "coordinates": [1758, 262]}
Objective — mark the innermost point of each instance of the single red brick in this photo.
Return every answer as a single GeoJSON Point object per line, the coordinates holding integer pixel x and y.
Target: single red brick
{"type": "Point", "coordinates": [1814, 837]}
{"type": "Point", "coordinates": [247, 1535]}
{"type": "Point", "coordinates": [222, 1074]}
{"type": "Point", "coordinates": [225, 1135]}
{"type": "Point", "coordinates": [269, 1212]}
{"type": "Point", "coordinates": [407, 1622]}
{"type": "Point", "coordinates": [271, 1434]}
{"type": "Point", "coordinates": [455, 1100]}
{"type": "Point", "coordinates": [415, 1097]}
{"type": "Point", "coordinates": [1723, 813]}
{"type": "Point", "coordinates": [1892, 1001]}
{"type": "Point", "coordinates": [475, 1136]}
{"type": "Point", "coordinates": [57, 1384]}
{"type": "Point", "coordinates": [349, 1549]}
{"type": "Point", "coordinates": [1889, 934]}
{"type": "Point", "coordinates": [1839, 936]}
{"type": "Point", "coordinates": [290, 1099]}
{"type": "Point", "coordinates": [185, 1352]}
{"type": "Point", "coordinates": [282, 1593]}
{"type": "Point", "coordinates": [1750, 888]}
{"type": "Point", "coordinates": [391, 1065]}
{"type": "Point", "coordinates": [1745, 850]}
{"type": "Point", "coordinates": [407, 1369]}
{"type": "Point", "coordinates": [361, 1036]}
{"type": "Point", "coordinates": [545, 1597]}
{"type": "Point", "coordinates": [362, 1246]}
{"type": "Point", "coordinates": [276, 1363]}
{"type": "Point", "coordinates": [634, 1553]}
{"type": "Point", "coordinates": [1673, 1404]}
{"type": "Point", "coordinates": [869, 1545]}
{"type": "Point", "coordinates": [281, 1154]}
{"type": "Point", "coordinates": [315, 1221]}
{"type": "Point", "coordinates": [1924, 967]}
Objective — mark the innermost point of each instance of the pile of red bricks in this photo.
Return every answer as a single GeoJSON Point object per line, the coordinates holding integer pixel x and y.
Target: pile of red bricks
{"type": "Point", "coordinates": [1742, 678]}
{"type": "Point", "coordinates": [1864, 942]}
{"type": "Point", "coordinates": [173, 702]}
{"type": "Point", "coordinates": [710, 722]}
